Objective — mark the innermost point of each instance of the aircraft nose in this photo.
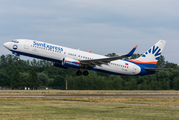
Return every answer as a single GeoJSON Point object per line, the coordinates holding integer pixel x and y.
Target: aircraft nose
{"type": "Point", "coordinates": [7, 45]}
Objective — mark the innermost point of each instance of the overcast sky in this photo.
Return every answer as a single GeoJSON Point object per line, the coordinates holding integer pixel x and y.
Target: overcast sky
{"type": "Point", "coordinates": [103, 26]}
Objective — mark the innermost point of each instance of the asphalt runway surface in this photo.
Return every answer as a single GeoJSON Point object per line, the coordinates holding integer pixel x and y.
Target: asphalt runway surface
{"type": "Point", "coordinates": [63, 96]}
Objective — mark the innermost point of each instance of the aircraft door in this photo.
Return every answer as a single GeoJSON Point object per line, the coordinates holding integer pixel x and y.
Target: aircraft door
{"type": "Point", "coordinates": [26, 44]}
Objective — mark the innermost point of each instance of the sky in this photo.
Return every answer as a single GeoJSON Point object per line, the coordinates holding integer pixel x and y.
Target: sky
{"type": "Point", "coordinates": [103, 26]}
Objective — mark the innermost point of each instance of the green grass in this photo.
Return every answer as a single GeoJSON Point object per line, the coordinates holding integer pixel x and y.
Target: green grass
{"type": "Point", "coordinates": [88, 108]}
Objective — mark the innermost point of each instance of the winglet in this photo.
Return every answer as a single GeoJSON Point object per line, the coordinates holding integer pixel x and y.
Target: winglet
{"type": "Point", "coordinates": [131, 52]}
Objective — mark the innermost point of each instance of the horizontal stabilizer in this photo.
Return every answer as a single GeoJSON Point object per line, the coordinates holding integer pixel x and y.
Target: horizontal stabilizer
{"type": "Point", "coordinates": [157, 69]}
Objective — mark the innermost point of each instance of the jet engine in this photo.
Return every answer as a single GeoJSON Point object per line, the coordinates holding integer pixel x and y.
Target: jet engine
{"type": "Point", "coordinates": [69, 62]}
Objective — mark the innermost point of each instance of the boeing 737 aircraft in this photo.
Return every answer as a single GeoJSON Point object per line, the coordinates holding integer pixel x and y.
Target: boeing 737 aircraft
{"type": "Point", "coordinates": [64, 57]}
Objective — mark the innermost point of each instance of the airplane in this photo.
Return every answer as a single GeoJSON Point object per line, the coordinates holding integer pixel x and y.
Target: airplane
{"type": "Point", "coordinates": [64, 57]}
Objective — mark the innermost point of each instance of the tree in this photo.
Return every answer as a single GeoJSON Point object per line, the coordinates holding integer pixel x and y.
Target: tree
{"type": "Point", "coordinates": [176, 83]}
{"type": "Point", "coordinates": [50, 82]}
{"type": "Point", "coordinates": [154, 85]}
{"type": "Point", "coordinates": [161, 75]}
{"type": "Point", "coordinates": [171, 65]}
{"type": "Point", "coordinates": [51, 76]}
{"type": "Point", "coordinates": [161, 62]}
{"type": "Point", "coordinates": [118, 83]}
{"type": "Point", "coordinates": [111, 55]}
{"type": "Point", "coordinates": [165, 85]}
{"type": "Point", "coordinates": [59, 82]}
{"type": "Point", "coordinates": [131, 85]}
{"type": "Point", "coordinates": [15, 82]}
{"type": "Point", "coordinates": [3, 61]}
{"type": "Point", "coordinates": [43, 79]}
{"type": "Point", "coordinates": [134, 56]}
{"type": "Point", "coordinates": [71, 82]}
{"type": "Point", "coordinates": [24, 77]}
{"type": "Point", "coordinates": [4, 80]}
{"type": "Point", "coordinates": [32, 80]}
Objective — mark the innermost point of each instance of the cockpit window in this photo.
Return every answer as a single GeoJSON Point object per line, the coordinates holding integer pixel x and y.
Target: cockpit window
{"type": "Point", "coordinates": [15, 41]}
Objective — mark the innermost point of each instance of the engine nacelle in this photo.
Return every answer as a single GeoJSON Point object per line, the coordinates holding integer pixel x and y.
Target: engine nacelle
{"type": "Point", "coordinates": [56, 64]}
{"type": "Point", "coordinates": [69, 62]}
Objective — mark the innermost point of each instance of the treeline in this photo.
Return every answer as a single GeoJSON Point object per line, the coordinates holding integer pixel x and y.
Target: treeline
{"type": "Point", "coordinates": [39, 74]}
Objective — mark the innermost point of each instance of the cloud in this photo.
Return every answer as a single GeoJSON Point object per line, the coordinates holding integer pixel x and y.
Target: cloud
{"type": "Point", "coordinates": [101, 25]}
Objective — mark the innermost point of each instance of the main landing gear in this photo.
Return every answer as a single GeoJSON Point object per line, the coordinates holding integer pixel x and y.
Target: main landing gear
{"type": "Point", "coordinates": [85, 73]}
{"type": "Point", "coordinates": [78, 73]}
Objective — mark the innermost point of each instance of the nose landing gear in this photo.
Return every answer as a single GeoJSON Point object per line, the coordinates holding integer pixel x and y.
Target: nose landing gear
{"type": "Point", "coordinates": [16, 54]}
{"type": "Point", "coordinates": [18, 59]}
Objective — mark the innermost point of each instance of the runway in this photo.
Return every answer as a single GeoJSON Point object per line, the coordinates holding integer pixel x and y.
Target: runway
{"type": "Point", "coordinates": [63, 96]}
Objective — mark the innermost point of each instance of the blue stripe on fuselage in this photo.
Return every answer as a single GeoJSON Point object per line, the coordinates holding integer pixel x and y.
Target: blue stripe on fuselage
{"type": "Point", "coordinates": [143, 66]}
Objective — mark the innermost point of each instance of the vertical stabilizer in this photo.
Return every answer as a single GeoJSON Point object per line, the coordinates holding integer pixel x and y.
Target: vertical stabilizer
{"type": "Point", "coordinates": [151, 56]}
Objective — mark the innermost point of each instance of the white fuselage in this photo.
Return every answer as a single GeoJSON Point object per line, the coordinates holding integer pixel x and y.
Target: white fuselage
{"type": "Point", "coordinates": [57, 53]}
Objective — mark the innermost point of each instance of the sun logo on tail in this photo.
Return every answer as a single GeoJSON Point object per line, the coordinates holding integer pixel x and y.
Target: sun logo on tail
{"type": "Point", "coordinates": [155, 50]}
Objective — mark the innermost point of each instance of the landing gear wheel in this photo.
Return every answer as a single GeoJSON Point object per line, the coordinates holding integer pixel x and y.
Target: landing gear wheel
{"type": "Point", "coordinates": [78, 73]}
{"type": "Point", "coordinates": [85, 73]}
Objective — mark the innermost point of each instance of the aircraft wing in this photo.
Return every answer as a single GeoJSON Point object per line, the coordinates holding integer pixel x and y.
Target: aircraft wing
{"type": "Point", "coordinates": [100, 61]}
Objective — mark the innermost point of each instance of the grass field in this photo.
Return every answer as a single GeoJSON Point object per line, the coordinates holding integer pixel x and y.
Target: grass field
{"type": "Point", "coordinates": [102, 108]}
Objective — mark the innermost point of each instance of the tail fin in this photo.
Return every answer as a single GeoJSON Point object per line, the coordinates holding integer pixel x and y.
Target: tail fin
{"type": "Point", "coordinates": [151, 56]}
